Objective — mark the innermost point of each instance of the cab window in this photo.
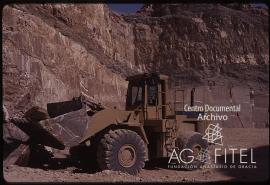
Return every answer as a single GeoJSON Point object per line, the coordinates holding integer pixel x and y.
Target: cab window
{"type": "Point", "coordinates": [152, 95]}
{"type": "Point", "coordinates": [135, 95]}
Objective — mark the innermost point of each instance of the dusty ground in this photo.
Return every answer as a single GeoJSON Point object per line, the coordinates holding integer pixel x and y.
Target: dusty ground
{"type": "Point", "coordinates": [258, 139]}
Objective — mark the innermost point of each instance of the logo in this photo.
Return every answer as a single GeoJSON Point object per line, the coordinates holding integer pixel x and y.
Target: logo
{"type": "Point", "coordinates": [187, 158]}
{"type": "Point", "coordinates": [213, 134]}
{"type": "Point", "coordinates": [204, 156]}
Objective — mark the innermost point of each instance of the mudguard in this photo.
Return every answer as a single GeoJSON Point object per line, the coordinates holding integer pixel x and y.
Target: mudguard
{"type": "Point", "coordinates": [107, 117]}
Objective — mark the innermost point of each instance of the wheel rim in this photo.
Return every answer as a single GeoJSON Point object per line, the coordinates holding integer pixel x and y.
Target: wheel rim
{"type": "Point", "coordinates": [127, 156]}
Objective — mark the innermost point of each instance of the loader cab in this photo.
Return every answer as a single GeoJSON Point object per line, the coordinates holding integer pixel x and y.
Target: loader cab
{"type": "Point", "coordinates": [135, 95]}
{"type": "Point", "coordinates": [148, 93]}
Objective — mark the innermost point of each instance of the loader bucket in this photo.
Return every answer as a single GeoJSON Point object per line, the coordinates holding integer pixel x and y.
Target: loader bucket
{"type": "Point", "coordinates": [67, 128]}
{"type": "Point", "coordinates": [58, 132]}
{"type": "Point", "coordinates": [59, 108]}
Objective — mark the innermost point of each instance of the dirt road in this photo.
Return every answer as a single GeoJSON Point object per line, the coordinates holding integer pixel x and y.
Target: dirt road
{"type": "Point", "coordinates": [255, 140]}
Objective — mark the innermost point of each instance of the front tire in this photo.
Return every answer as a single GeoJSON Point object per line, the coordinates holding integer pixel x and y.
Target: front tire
{"type": "Point", "coordinates": [121, 150]}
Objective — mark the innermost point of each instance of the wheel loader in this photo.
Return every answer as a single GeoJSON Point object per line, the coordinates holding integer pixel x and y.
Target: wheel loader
{"type": "Point", "coordinates": [150, 127]}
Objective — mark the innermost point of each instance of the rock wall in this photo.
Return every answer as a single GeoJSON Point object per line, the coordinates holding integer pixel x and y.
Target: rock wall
{"type": "Point", "coordinates": [202, 40]}
{"type": "Point", "coordinates": [43, 63]}
{"type": "Point", "coordinates": [53, 52]}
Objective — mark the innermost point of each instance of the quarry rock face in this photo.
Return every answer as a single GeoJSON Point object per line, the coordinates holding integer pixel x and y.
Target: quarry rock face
{"type": "Point", "coordinates": [206, 40]}
{"type": "Point", "coordinates": [48, 56]}
{"type": "Point", "coordinates": [53, 52]}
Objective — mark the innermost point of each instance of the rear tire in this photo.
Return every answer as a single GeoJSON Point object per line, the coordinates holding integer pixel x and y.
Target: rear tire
{"type": "Point", "coordinates": [121, 150]}
{"type": "Point", "coordinates": [195, 142]}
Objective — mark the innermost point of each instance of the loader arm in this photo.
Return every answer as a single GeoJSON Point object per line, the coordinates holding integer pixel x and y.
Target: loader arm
{"type": "Point", "coordinates": [107, 117]}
